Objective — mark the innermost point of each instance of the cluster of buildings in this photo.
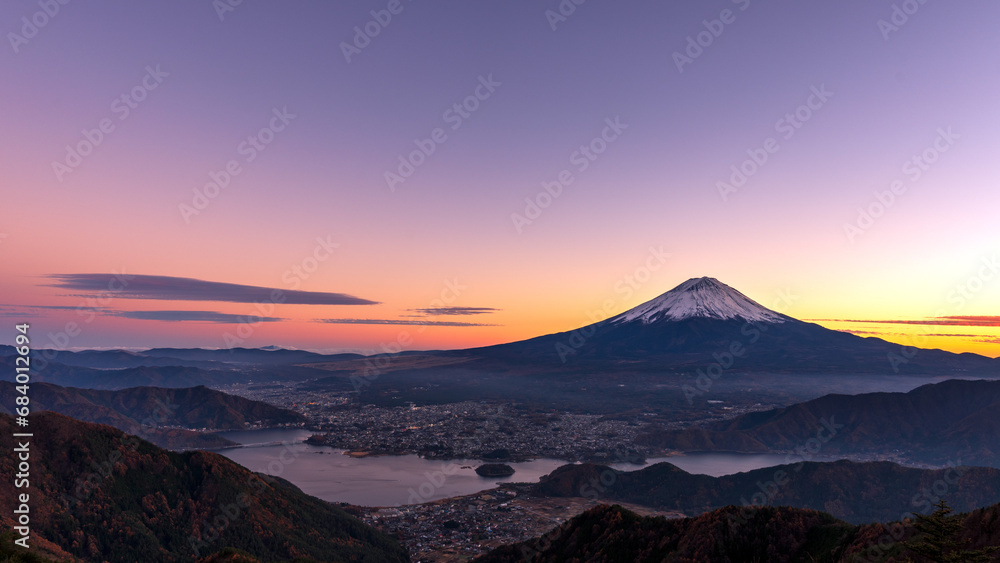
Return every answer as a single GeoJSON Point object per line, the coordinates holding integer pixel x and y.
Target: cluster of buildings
{"type": "Point", "coordinates": [471, 430]}
{"type": "Point", "coordinates": [459, 528]}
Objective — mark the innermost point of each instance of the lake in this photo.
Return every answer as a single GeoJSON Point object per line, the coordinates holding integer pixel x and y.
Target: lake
{"type": "Point", "coordinates": [326, 473]}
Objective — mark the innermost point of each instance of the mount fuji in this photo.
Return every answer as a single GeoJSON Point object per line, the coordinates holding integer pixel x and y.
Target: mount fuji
{"type": "Point", "coordinates": [700, 297]}
{"type": "Point", "coordinates": [700, 341]}
{"type": "Point", "coordinates": [703, 321]}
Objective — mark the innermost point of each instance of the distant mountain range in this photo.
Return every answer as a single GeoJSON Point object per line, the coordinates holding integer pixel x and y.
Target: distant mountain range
{"type": "Point", "coordinates": [99, 495]}
{"type": "Point", "coordinates": [120, 378]}
{"type": "Point", "coordinates": [700, 341]}
{"type": "Point", "coordinates": [227, 358]}
{"type": "Point", "coordinates": [256, 356]}
{"type": "Point", "coordinates": [955, 421]}
{"type": "Point", "coordinates": [859, 493]}
{"type": "Point", "coordinates": [606, 534]}
{"type": "Point", "coordinates": [160, 375]}
{"type": "Point", "coordinates": [159, 415]}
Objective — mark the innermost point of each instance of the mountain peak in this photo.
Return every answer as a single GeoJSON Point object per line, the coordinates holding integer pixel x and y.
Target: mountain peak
{"type": "Point", "coordinates": [703, 297]}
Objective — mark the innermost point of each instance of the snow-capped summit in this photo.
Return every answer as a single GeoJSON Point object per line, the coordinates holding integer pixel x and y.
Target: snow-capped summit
{"type": "Point", "coordinates": [700, 297]}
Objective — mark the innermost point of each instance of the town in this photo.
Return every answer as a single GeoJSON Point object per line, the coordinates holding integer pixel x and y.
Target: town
{"type": "Point", "coordinates": [484, 430]}
{"type": "Point", "coordinates": [459, 528]}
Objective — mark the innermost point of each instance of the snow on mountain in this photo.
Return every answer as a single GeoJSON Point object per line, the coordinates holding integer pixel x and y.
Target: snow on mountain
{"type": "Point", "coordinates": [700, 297]}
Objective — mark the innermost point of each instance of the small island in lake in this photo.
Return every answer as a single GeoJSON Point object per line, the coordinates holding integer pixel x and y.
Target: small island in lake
{"type": "Point", "coordinates": [494, 470]}
{"type": "Point", "coordinates": [316, 440]}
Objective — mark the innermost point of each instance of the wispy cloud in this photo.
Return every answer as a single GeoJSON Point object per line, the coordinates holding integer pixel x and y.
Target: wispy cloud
{"type": "Point", "coordinates": [35, 311]}
{"type": "Point", "coordinates": [434, 311]}
{"type": "Point", "coordinates": [977, 320]}
{"type": "Point", "coordinates": [64, 307]}
{"type": "Point", "coordinates": [19, 312]}
{"type": "Point", "coordinates": [890, 333]}
{"type": "Point", "coordinates": [933, 321]}
{"type": "Point", "coordinates": [954, 335]}
{"type": "Point", "coordinates": [193, 316]}
{"type": "Point", "coordinates": [190, 289]}
{"type": "Point", "coordinates": [397, 322]}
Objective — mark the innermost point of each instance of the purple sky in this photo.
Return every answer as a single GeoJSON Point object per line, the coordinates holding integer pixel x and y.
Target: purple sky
{"type": "Point", "coordinates": [311, 190]}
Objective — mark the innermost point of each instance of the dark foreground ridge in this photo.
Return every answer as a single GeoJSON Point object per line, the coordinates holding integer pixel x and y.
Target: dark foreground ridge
{"type": "Point", "coordinates": [98, 494]}
{"type": "Point", "coordinates": [735, 535]}
{"type": "Point", "coordinates": [877, 491]}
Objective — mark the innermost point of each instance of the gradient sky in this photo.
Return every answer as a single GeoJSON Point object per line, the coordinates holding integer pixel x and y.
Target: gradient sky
{"type": "Point", "coordinates": [438, 261]}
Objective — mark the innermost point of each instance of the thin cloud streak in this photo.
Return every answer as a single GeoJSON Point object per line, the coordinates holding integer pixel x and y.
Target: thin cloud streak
{"type": "Point", "coordinates": [886, 333]}
{"type": "Point", "coordinates": [397, 322]}
{"type": "Point", "coordinates": [33, 311]}
{"type": "Point", "coordinates": [434, 311]}
{"type": "Point", "coordinates": [190, 289]}
{"type": "Point", "coordinates": [937, 321]}
{"type": "Point", "coordinates": [194, 316]}
{"type": "Point", "coordinates": [18, 313]}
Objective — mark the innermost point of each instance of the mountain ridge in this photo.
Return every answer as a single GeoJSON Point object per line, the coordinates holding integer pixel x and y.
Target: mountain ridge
{"type": "Point", "coordinates": [606, 534]}
{"type": "Point", "coordinates": [102, 495]}
{"type": "Point", "coordinates": [857, 492]}
{"type": "Point", "coordinates": [954, 420]}
{"type": "Point", "coordinates": [166, 417]}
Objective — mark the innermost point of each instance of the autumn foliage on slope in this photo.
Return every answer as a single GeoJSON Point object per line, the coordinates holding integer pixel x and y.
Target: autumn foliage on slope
{"type": "Point", "coordinates": [102, 495]}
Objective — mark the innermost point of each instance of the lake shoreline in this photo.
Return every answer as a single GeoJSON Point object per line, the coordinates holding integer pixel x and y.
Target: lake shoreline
{"type": "Point", "coordinates": [396, 480]}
